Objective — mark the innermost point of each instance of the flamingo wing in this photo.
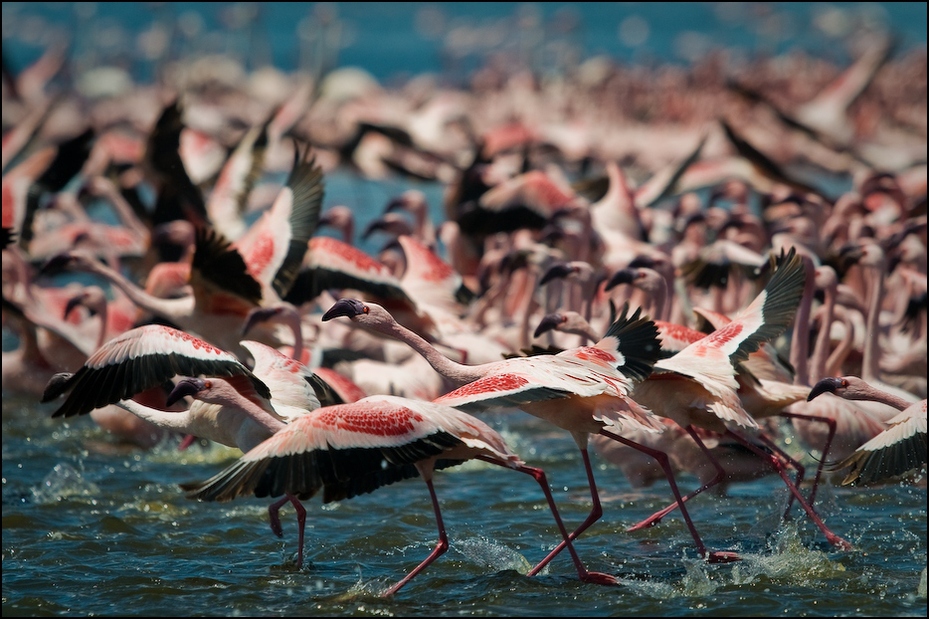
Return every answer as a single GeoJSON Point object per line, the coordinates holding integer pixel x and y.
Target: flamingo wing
{"type": "Point", "coordinates": [346, 450]}
{"type": "Point", "coordinates": [289, 380]}
{"type": "Point", "coordinates": [137, 360]}
{"type": "Point", "coordinates": [274, 247]}
{"type": "Point", "coordinates": [895, 451]}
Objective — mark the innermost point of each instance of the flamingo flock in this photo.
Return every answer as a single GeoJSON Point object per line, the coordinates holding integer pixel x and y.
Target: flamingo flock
{"type": "Point", "coordinates": [671, 292]}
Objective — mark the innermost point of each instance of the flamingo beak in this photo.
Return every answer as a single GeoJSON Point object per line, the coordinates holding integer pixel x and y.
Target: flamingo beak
{"type": "Point", "coordinates": [556, 271]}
{"type": "Point", "coordinates": [344, 307]}
{"type": "Point", "coordinates": [825, 385]}
{"type": "Point", "coordinates": [623, 276]}
{"type": "Point", "coordinates": [257, 316]}
{"type": "Point", "coordinates": [395, 205]}
{"type": "Point", "coordinates": [56, 264]}
{"type": "Point", "coordinates": [72, 303]}
{"type": "Point", "coordinates": [185, 387]}
{"type": "Point", "coordinates": [548, 323]}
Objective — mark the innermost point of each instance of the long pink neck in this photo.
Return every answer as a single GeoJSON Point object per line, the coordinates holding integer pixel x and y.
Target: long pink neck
{"type": "Point", "coordinates": [821, 348]}
{"type": "Point", "coordinates": [176, 310]}
{"type": "Point", "coordinates": [799, 347]}
{"type": "Point", "coordinates": [869, 364]}
{"type": "Point", "coordinates": [458, 373]}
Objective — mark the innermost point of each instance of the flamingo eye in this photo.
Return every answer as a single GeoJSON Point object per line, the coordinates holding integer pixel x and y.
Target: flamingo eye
{"type": "Point", "coordinates": [208, 384]}
{"type": "Point", "coordinates": [365, 309]}
{"type": "Point", "coordinates": [844, 383]}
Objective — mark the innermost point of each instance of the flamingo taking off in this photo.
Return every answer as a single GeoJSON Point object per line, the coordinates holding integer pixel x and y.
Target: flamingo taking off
{"type": "Point", "coordinates": [148, 356]}
{"type": "Point", "coordinates": [583, 390]}
{"type": "Point", "coordinates": [897, 450]}
{"type": "Point", "coordinates": [350, 449]}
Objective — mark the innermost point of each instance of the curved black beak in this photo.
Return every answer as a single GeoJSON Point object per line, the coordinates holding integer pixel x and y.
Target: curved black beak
{"type": "Point", "coordinates": [395, 205]}
{"type": "Point", "coordinates": [622, 276]}
{"type": "Point", "coordinates": [185, 387]}
{"type": "Point", "coordinates": [549, 323]}
{"type": "Point", "coordinates": [258, 315]}
{"type": "Point", "coordinates": [56, 264]}
{"type": "Point", "coordinates": [559, 270]}
{"type": "Point", "coordinates": [344, 307]}
{"type": "Point", "coordinates": [72, 303]}
{"type": "Point", "coordinates": [825, 385]}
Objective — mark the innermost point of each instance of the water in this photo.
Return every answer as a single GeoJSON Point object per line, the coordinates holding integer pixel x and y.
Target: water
{"type": "Point", "coordinates": [92, 528]}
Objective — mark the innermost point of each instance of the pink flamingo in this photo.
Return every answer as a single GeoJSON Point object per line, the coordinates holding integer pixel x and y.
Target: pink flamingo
{"type": "Point", "coordinates": [351, 449]}
{"type": "Point", "coordinates": [582, 390]}
{"type": "Point", "coordinates": [145, 357]}
{"type": "Point", "coordinates": [895, 451]}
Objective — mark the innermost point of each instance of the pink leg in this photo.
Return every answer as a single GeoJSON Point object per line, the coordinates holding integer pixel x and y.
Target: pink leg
{"type": "Point", "coordinates": [595, 513]}
{"type": "Point", "coordinates": [826, 447]}
{"type": "Point", "coordinates": [834, 539]}
{"type": "Point", "coordinates": [438, 551]}
{"type": "Point", "coordinates": [189, 440]}
{"type": "Point", "coordinates": [662, 459]}
{"type": "Point", "coordinates": [720, 476]}
{"type": "Point", "coordinates": [274, 515]}
{"type": "Point", "coordinates": [798, 480]}
{"type": "Point", "coordinates": [539, 475]}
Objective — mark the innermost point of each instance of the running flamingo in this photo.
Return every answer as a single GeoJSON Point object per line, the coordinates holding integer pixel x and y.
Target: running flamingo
{"type": "Point", "coordinates": [145, 357]}
{"type": "Point", "coordinates": [351, 449]}
{"type": "Point", "coordinates": [594, 381]}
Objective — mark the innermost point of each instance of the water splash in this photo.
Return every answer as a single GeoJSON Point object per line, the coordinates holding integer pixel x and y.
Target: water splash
{"type": "Point", "coordinates": [63, 481]}
{"type": "Point", "coordinates": [789, 559]}
{"type": "Point", "coordinates": [493, 555]}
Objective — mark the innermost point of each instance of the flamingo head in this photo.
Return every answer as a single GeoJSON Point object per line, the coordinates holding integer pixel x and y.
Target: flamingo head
{"type": "Point", "coordinates": [827, 385]}
{"type": "Point", "coordinates": [187, 387]}
{"type": "Point", "coordinates": [622, 276]}
{"type": "Point", "coordinates": [559, 270]}
{"type": "Point", "coordinates": [549, 323]}
{"type": "Point", "coordinates": [346, 307]}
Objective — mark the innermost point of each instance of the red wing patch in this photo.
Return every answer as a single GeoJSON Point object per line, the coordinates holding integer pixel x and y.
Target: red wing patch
{"type": "Point", "coordinates": [721, 337]}
{"type": "Point", "coordinates": [259, 255]}
{"type": "Point", "coordinates": [196, 342]}
{"type": "Point", "coordinates": [321, 246]}
{"type": "Point", "coordinates": [488, 385]}
{"type": "Point", "coordinates": [592, 353]}
{"type": "Point", "coordinates": [359, 419]}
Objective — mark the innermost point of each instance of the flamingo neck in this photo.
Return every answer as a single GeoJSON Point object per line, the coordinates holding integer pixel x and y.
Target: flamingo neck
{"type": "Point", "coordinates": [175, 310]}
{"type": "Point", "coordinates": [833, 366]}
{"type": "Point", "coordinates": [179, 421]}
{"type": "Point", "coordinates": [821, 347]}
{"type": "Point", "coordinates": [869, 363]}
{"type": "Point", "coordinates": [456, 372]}
{"type": "Point", "coordinates": [878, 395]}
{"type": "Point", "coordinates": [799, 347]}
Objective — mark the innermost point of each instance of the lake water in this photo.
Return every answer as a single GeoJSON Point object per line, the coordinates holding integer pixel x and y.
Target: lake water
{"type": "Point", "coordinates": [90, 528]}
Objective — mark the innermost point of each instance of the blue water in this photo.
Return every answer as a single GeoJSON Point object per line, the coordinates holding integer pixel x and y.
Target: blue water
{"type": "Point", "coordinates": [394, 40]}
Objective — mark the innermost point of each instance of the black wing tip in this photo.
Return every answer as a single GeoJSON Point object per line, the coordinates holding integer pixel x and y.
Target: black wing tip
{"type": "Point", "coordinates": [638, 342]}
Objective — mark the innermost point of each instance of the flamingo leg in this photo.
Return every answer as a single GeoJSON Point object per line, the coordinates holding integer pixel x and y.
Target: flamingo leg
{"type": "Point", "coordinates": [539, 475]}
{"type": "Point", "coordinates": [792, 462]}
{"type": "Point", "coordinates": [595, 513]}
{"type": "Point", "coordinates": [819, 469]}
{"type": "Point", "coordinates": [440, 547]}
{"type": "Point", "coordinates": [662, 459]}
{"type": "Point", "coordinates": [718, 479]}
{"type": "Point", "coordinates": [833, 539]}
{"type": "Point", "coordinates": [274, 515]}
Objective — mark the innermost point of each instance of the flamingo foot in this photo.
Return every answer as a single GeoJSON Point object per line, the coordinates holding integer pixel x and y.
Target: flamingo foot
{"type": "Point", "coordinates": [599, 578]}
{"type": "Point", "coordinates": [722, 557]}
{"type": "Point", "coordinates": [839, 543]}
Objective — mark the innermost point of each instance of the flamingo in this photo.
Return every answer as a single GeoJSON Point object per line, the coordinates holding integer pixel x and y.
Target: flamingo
{"type": "Point", "coordinates": [145, 357]}
{"type": "Point", "coordinates": [892, 453]}
{"type": "Point", "coordinates": [697, 386]}
{"type": "Point", "coordinates": [351, 449]}
{"type": "Point", "coordinates": [583, 390]}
